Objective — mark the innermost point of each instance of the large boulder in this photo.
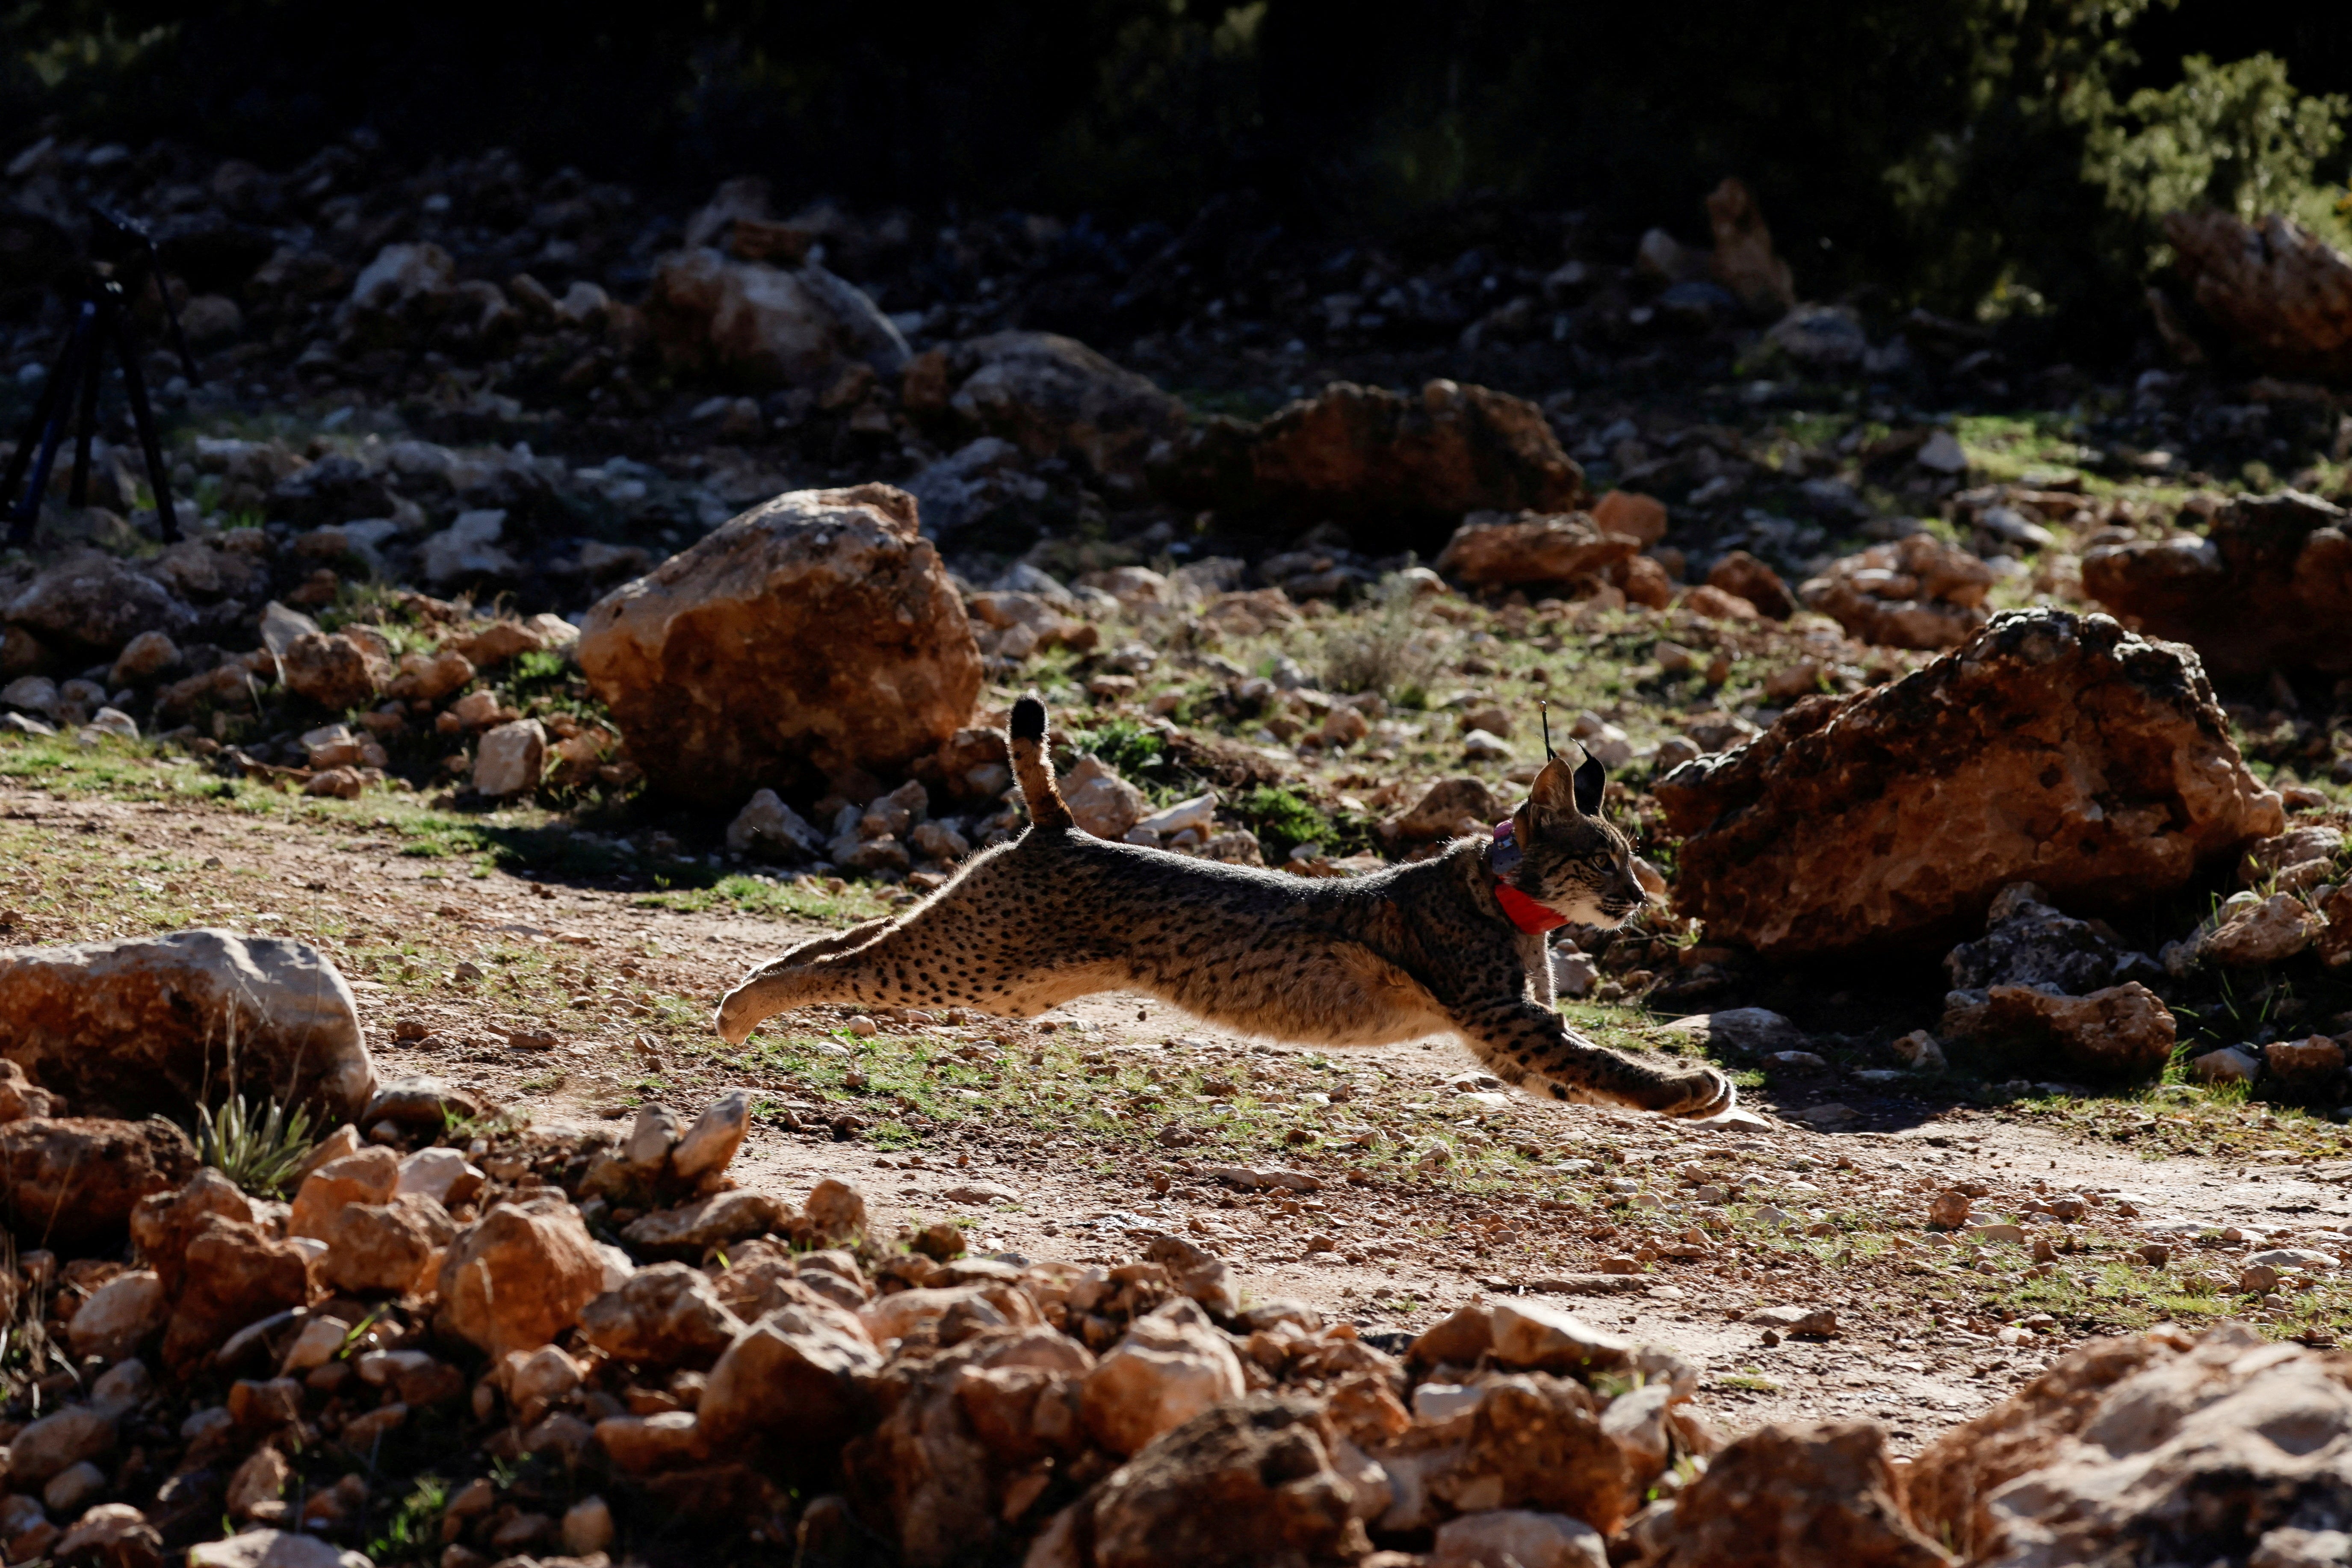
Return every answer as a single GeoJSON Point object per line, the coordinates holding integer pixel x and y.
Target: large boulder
{"type": "Point", "coordinates": [1492, 551]}
{"type": "Point", "coordinates": [71, 1181]}
{"type": "Point", "coordinates": [2269, 586]}
{"type": "Point", "coordinates": [793, 1386]}
{"type": "Point", "coordinates": [2053, 747]}
{"type": "Point", "coordinates": [1049, 394]}
{"type": "Point", "coordinates": [2280, 291]}
{"type": "Point", "coordinates": [812, 634]}
{"type": "Point", "coordinates": [153, 1024]}
{"type": "Point", "coordinates": [519, 1276]}
{"type": "Point", "coordinates": [1171, 1365]}
{"type": "Point", "coordinates": [751, 324]}
{"type": "Point", "coordinates": [1252, 1481]}
{"type": "Point", "coordinates": [1365, 453]}
{"type": "Point", "coordinates": [2118, 1031]}
{"type": "Point", "coordinates": [2130, 1448]}
{"type": "Point", "coordinates": [95, 604]}
{"type": "Point", "coordinates": [959, 1428]}
{"type": "Point", "coordinates": [1792, 1496]}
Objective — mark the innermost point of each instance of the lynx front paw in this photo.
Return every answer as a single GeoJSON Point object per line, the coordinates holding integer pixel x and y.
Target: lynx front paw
{"type": "Point", "coordinates": [739, 1013]}
{"type": "Point", "coordinates": [1692, 1096]}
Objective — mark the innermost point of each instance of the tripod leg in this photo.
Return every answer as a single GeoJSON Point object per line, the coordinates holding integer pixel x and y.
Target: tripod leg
{"type": "Point", "coordinates": [78, 360]}
{"type": "Point", "coordinates": [142, 419]}
{"type": "Point", "coordinates": [45, 412]}
{"type": "Point", "coordinates": [84, 428]}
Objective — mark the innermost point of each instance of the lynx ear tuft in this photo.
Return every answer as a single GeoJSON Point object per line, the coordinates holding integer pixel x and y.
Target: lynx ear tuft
{"type": "Point", "coordinates": [1028, 720]}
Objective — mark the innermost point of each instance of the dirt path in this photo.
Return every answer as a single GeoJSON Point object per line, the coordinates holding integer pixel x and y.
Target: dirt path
{"type": "Point", "coordinates": [449, 965]}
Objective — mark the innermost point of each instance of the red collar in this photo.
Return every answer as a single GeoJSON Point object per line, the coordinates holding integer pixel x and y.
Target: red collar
{"type": "Point", "coordinates": [1523, 911]}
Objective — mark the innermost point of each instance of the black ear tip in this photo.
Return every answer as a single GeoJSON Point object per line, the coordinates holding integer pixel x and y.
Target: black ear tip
{"type": "Point", "coordinates": [1591, 780]}
{"type": "Point", "coordinates": [1028, 720]}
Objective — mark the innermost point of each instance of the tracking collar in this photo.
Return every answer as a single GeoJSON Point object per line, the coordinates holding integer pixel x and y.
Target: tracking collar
{"type": "Point", "coordinates": [1529, 916]}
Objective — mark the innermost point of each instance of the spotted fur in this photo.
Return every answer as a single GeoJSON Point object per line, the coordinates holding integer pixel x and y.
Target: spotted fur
{"type": "Point", "coordinates": [1414, 950]}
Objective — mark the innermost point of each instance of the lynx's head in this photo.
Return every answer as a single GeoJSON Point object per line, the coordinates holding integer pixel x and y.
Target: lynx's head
{"type": "Point", "coordinates": [1570, 860]}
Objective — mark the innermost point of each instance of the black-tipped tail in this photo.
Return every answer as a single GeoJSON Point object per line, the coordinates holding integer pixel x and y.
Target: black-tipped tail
{"type": "Point", "coordinates": [1025, 739]}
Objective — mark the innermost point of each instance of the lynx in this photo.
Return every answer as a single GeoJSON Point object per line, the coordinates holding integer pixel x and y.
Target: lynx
{"type": "Point", "coordinates": [1452, 944]}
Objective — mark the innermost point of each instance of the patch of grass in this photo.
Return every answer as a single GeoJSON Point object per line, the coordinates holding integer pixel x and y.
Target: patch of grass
{"type": "Point", "coordinates": [260, 1150]}
{"type": "Point", "coordinates": [802, 898]}
{"type": "Point", "coordinates": [1283, 818]}
{"type": "Point", "coordinates": [413, 1533]}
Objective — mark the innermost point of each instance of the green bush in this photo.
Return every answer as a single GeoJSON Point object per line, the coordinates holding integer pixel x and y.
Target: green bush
{"type": "Point", "coordinates": [2235, 136]}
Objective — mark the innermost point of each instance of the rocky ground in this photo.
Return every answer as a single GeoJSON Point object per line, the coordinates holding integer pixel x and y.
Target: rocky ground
{"type": "Point", "coordinates": [2025, 934]}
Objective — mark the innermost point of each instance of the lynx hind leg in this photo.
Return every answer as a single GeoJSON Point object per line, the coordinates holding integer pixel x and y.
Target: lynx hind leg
{"type": "Point", "coordinates": [1527, 1045]}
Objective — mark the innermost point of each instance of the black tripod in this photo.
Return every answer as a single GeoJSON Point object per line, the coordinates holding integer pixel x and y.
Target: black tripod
{"type": "Point", "coordinates": [122, 255]}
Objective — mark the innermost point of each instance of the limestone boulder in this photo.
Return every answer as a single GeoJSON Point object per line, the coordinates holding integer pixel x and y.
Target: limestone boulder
{"type": "Point", "coordinates": [520, 1275]}
{"type": "Point", "coordinates": [1051, 395]}
{"type": "Point", "coordinates": [2053, 747]}
{"type": "Point", "coordinates": [368, 1176]}
{"type": "Point", "coordinates": [1918, 592]}
{"type": "Point", "coordinates": [2270, 930]}
{"type": "Point", "coordinates": [666, 1315]}
{"type": "Point", "coordinates": [1417, 462]}
{"type": "Point", "coordinates": [1519, 1538]}
{"type": "Point", "coordinates": [2028, 941]}
{"type": "Point", "coordinates": [1450, 809]}
{"type": "Point", "coordinates": [94, 603]}
{"type": "Point", "coordinates": [1171, 1365]}
{"type": "Point", "coordinates": [707, 1222]}
{"type": "Point", "coordinates": [120, 1315]}
{"type": "Point", "coordinates": [510, 758]}
{"type": "Point", "coordinates": [2119, 1032]}
{"type": "Point", "coordinates": [2128, 1443]}
{"type": "Point", "coordinates": [72, 1180]}
{"type": "Point", "coordinates": [58, 1442]}
{"type": "Point", "coordinates": [1492, 549]}
{"type": "Point", "coordinates": [1524, 1441]}
{"type": "Point", "coordinates": [232, 1274]}
{"type": "Point", "coordinates": [2268, 587]}
{"type": "Point", "coordinates": [1538, 1338]}
{"type": "Point", "coordinates": [1789, 1496]}
{"type": "Point", "coordinates": [793, 1386]}
{"type": "Point", "coordinates": [747, 323]}
{"type": "Point", "coordinates": [2281, 292]}
{"type": "Point", "coordinates": [333, 670]}
{"type": "Point", "coordinates": [148, 1023]}
{"type": "Point", "coordinates": [962, 1429]}
{"type": "Point", "coordinates": [1100, 802]}
{"type": "Point", "coordinates": [1741, 575]}
{"type": "Point", "coordinates": [1252, 1481]}
{"type": "Point", "coordinates": [385, 1247]}
{"type": "Point", "coordinates": [812, 634]}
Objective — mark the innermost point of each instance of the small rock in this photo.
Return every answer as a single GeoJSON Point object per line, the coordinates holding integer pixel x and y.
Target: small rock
{"type": "Point", "coordinates": [1809, 1320]}
{"type": "Point", "coordinates": [1949, 1209]}
{"type": "Point", "coordinates": [1540, 1338]}
{"type": "Point", "coordinates": [713, 1221]}
{"type": "Point", "coordinates": [2228, 1064]}
{"type": "Point", "coordinates": [509, 759]}
{"type": "Point", "coordinates": [1516, 1538]}
{"type": "Point", "coordinates": [587, 1527]}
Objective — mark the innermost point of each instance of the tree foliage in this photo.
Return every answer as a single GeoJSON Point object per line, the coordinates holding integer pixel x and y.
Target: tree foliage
{"type": "Point", "coordinates": [1986, 155]}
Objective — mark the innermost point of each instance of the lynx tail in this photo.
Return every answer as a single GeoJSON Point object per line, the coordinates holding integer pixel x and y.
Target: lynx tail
{"type": "Point", "coordinates": [1026, 739]}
